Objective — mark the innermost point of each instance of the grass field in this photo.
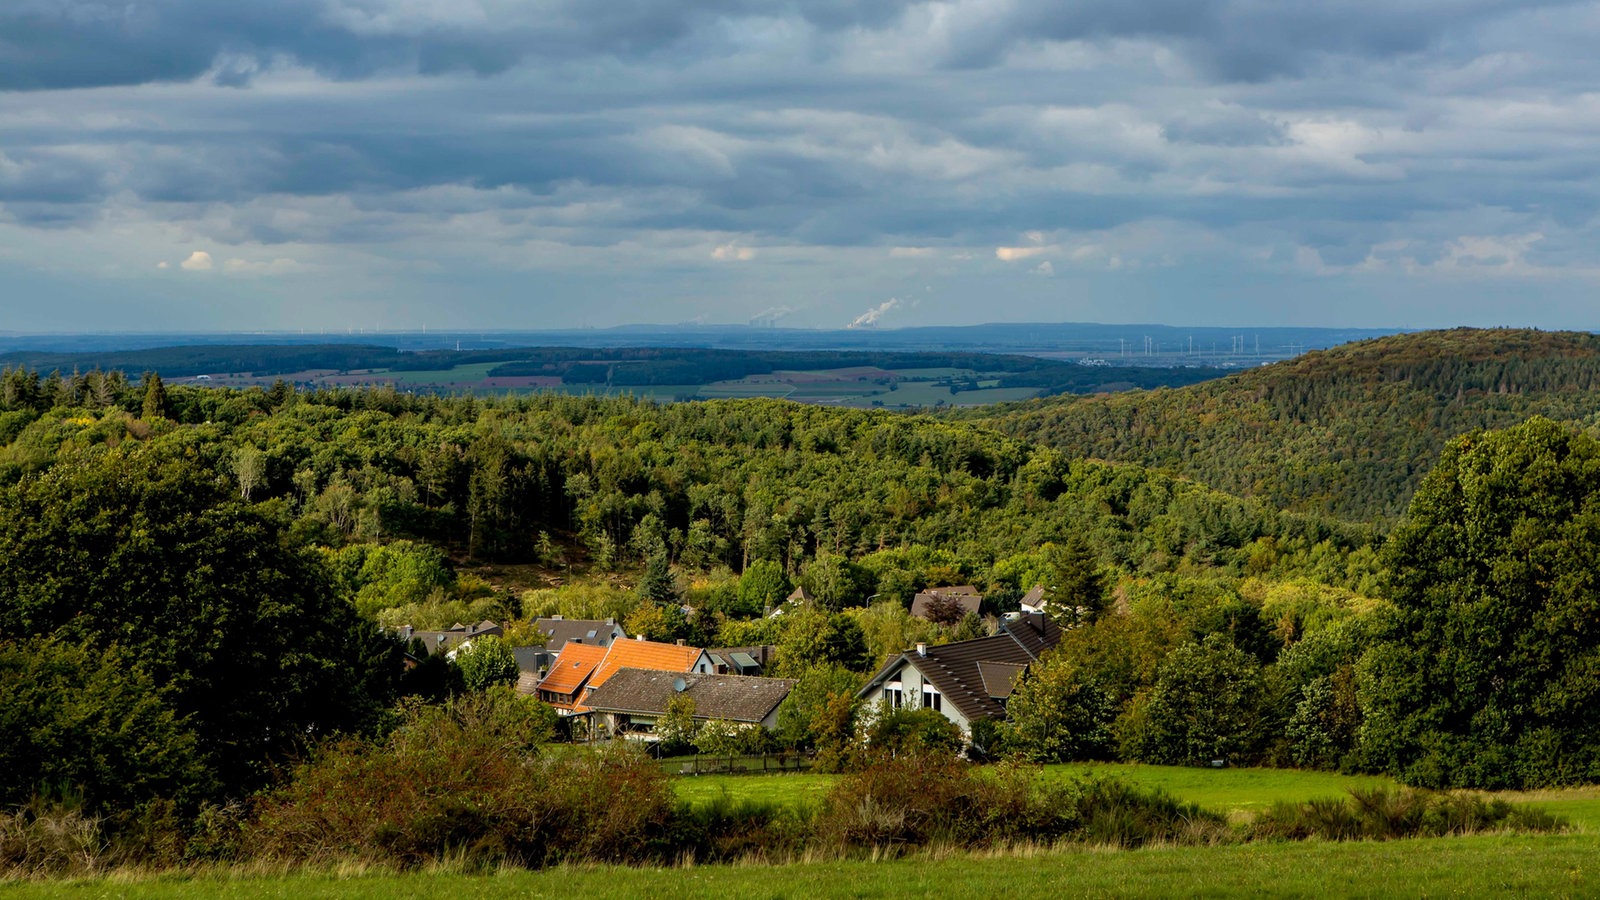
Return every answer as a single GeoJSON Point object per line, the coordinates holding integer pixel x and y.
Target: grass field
{"type": "Point", "coordinates": [1489, 866]}
{"type": "Point", "coordinates": [1238, 792]}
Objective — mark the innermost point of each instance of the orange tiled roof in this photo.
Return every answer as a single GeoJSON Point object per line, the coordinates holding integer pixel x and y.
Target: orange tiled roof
{"type": "Point", "coordinates": [644, 655]}
{"type": "Point", "coordinates": [572, 666]}
{"type": "Point", "coordinates": [640, 655]}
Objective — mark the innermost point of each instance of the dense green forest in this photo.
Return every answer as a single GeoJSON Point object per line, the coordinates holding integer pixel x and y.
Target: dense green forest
{"type": "Point", "coordinates": [194, 584]}
{"type": "Point", "coordinates": [1347, 432]}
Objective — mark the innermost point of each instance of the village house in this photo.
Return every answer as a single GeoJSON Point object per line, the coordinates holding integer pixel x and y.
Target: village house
{"type": "Point", "coordinates": [447, 641]}
{"type": "Point", "coordinates": [558, 631]}
{"type": "Point", "coordinates": [742, 660]}
{"type": "Point", "coordinates": [966, 680]}
{"type": "Point", "coordinates": [963, 598]}
{"type": "Point", "coordinates": [533, 663]}
{"type": "Point", "coordinates": [580, 668]}
{"type": "Point", "coordinates": [567, 677]}
{"type": "Point", "coordinates": [631, 703]}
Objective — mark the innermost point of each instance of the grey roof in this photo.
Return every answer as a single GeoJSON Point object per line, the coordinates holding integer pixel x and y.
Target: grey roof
{"type": "Point", "coordinates": [957, 669]}
{"type": "Point", "coordinates": [736, 698]}
{"type": "Point", "coordinates": [1034, 597]}
{"type": "Point", "coordinates": [450, 639]}
{"type": "Point", "coordinates": [557, 632]}
{"type": "Point", "coordinates": [532, 659]}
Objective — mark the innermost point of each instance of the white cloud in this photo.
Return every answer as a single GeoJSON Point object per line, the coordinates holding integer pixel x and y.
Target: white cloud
{"type": "Point", "coordinates": [1012, 254]}
{"type": "Point", "coordinates": [163, 265]}
{"type": "Point", "coordinates": [1045, 269]}
{"type": "Point", "coordinates": [733, 252]}
{"type": "Point", "coordinates": [910, 252]}
{"type": "Point", "coordinates": [198, 261]}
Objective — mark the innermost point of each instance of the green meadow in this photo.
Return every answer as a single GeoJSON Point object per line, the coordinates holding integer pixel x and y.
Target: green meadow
{"type": "Point", "coordinates": [1238, 792]}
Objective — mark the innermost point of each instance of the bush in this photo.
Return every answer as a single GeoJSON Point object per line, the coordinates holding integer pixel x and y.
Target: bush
{"type": "Point", "coordinates": [922, 731]}
{"type": "Point", "coordinates": [913, 799]}
{"type": "Point", "coordinates": [467, 780]}
{"type": "Point", "coordinates": [1387, 815]}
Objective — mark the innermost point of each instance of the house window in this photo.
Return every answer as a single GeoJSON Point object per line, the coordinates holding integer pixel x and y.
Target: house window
{"type": "Point", "coordinates": [892, 697]}
{"type": "Point", "coordinates": [932, 699]}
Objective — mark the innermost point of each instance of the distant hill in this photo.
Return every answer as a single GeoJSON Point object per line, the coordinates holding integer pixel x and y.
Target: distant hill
{"type": "Point", "coordinates": [975, 378]}
{"type": "Point", "coordinates": [1348, 431]}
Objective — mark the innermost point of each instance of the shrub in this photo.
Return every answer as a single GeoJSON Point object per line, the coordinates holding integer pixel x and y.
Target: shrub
{"type": "Point", "coordinates": [914, 731]}
{"type": "Point", "coordinates": [466, 780]}
{"type": "Point", "coordinates": [1381, 814]}
{"type": "Point", "coordinates": [913, 799]}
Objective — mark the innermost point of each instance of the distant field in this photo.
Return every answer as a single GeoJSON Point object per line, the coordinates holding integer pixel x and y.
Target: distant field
{"type": "Point", "coordinates": [917, 393]}
{"type": "Point", "coordinates": [1489, 866]}
{"type": "Point", "coordinates": [745, 389]}
{"type": "Point", "coordinates": [471, 372]}
{"type": "Point", "coordinates": [929, 374]}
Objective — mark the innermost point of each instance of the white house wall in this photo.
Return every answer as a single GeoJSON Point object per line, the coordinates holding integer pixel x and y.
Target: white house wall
{"type": "Point", "coordinates": [911, 683]}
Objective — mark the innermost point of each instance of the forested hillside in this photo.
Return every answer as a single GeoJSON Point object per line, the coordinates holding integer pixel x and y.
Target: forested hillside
{"type": "Point", "coordinates": [706, 484]}
{"type": "Point", "coordinates": [1348, 432]}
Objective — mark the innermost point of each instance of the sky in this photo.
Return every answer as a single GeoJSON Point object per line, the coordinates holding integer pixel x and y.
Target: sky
{"type": "Point", "coordinates": [526, 164]}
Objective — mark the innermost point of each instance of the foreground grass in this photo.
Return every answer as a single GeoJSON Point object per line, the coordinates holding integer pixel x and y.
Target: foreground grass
{"type": "Point", "coordinates": [1561, 865]}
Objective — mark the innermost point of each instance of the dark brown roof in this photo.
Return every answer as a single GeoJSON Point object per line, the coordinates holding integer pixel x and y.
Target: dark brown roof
{"type": "Point", "coordinates": [736, 698]}
{"type": "Point", "coordinates": [999, 677]}
{"type": "Point", "coordinates": [963, 596]}
{"type": "Point", "coordinates": [958, 669]}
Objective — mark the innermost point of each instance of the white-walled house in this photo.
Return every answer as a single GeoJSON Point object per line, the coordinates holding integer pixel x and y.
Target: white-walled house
{"type": "Point", "coordinates": [965, 680]}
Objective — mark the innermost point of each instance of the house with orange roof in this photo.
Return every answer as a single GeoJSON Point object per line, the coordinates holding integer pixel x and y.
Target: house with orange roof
{"type": "Point", "coordinates": [569, 675]}
{"type": "Point", "coordinates": [642, 654]}
{"type": "Point", "coordinates": [580, 668]}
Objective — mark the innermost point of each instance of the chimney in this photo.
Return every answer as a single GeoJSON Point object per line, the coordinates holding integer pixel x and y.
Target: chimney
{"type": "Point", "coordinates": [922, 648]}
{"type": "Point", "coordinates": [555, 618]}
{"type": "Point", "coordinates": [680, 642]}
{"type": "Point", "coordinates": [638, 637]}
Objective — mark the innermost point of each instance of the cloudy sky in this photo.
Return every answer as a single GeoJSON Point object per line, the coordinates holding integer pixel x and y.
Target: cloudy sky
{"type": "Point", "coordinates": [218, 164]}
